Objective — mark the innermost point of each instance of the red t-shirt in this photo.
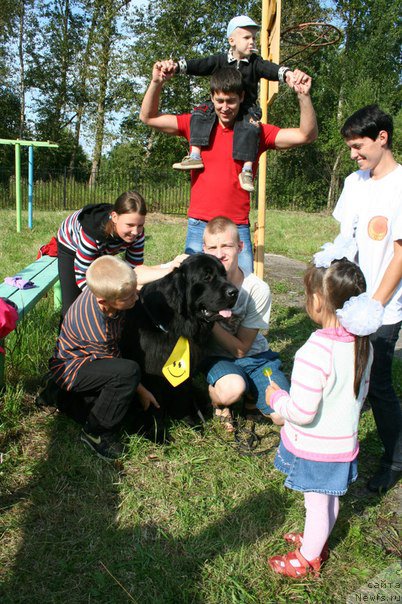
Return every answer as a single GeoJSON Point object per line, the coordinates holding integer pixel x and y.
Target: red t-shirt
{"type": "Point", "coordinates": [215, 190]}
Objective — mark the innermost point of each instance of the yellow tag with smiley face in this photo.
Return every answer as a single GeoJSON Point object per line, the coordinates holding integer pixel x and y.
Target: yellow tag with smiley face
{"type": "Point", "coordinates": [177, 368]}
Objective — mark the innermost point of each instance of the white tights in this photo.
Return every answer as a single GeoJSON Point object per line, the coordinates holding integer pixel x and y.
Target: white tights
{"type": "Point", "coordinates": [321, 514]}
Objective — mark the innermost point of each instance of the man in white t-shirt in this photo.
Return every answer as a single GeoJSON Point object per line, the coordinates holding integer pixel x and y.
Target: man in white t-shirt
{"type": "Point", "coordinates": [370, 209]}
{"type": "Point", "coordinates": [240, 352]}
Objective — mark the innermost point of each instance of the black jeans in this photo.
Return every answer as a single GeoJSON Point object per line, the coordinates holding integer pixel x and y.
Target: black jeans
{"type": "Point", "coordinates": [246, 137]}
{"type": "Point", "coordinates": [382, 396]}
{"type": "Point", "coordinates": [69, 288]}
{"type": "Point", "coordinates": [102, 392]}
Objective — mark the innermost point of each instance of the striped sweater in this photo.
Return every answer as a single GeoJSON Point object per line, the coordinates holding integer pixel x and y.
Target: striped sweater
{"type": "Point", "coordinates": [321, 411]}
{"type": "Point", "coordinates": [86, 334]}
{"type": "Point", "coordinates": [88, 247]}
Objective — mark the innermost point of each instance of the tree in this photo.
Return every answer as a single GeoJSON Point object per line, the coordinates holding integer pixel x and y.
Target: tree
{"type": "Point", "coordinates": [369, 64]}
{"type": "Point", "coordinates": [10, 112]}
{"type": "Point", "coordinates": [82, 96]}
{"type": "Point", "coordinates": [107, 35]}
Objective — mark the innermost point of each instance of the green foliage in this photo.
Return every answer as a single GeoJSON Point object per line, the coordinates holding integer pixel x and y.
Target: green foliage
{"type": "Point", "coordinates": [84, 65]}
{"type": "Point", "coordinates": [10, 113]}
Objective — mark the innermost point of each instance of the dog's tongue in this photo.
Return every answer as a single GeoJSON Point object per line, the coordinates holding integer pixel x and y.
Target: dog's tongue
{"type": "Point", "coordinates": [226, 313]}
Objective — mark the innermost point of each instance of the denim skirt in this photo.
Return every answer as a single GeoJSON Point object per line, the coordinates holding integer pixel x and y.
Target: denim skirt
{"type": "Point", "coordinates": [328, 477]}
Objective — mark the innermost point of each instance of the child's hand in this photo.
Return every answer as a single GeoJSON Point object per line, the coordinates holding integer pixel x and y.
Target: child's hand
{"type": "Point", "coordinates": [168, 68]}
{"type": "Point", "coordinates": [169, 65]}
{"type": "Point", "coordinates": [301, 82]}
{"type": "Point", "coordinates": [290, 79]}
{"type": "Point", "coordinates": [273, 387]}
{"type": "Point", "coordinates": [163, 71]}
{"type": "Point", "coordinates": [146, 398]}
{"type": "Point", "coordinates": [277, 419]}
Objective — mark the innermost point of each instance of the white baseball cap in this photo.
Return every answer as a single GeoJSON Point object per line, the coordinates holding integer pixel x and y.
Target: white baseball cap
{"type": "Point", "coordinates": [241, 21]}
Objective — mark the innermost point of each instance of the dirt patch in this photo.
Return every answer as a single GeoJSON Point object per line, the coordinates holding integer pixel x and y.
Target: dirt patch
{"type": "Point", "coordinates": [285, 277]}
{"type": "Point", "coordinates": [157, 218]}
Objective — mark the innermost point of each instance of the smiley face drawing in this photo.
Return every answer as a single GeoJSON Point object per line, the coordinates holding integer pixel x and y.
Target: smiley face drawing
{"type": "Point", "coordinates": [377, 228]}
{"type": "Point", "coordinates": [177, 368]}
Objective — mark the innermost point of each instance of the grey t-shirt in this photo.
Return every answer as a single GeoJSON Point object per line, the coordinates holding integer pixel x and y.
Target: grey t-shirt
{"type": "Point", "coordinates": [252, 310]}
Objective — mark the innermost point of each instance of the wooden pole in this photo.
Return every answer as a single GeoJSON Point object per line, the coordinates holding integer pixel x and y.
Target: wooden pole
{"type": "Point", "coordinates": [262, 171]}
{"type": "Point", "coordinates": [270, 28]}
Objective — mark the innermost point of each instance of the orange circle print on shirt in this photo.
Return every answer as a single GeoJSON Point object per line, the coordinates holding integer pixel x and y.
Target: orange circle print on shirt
{"type": "Point", "coordinates": [378, 228]}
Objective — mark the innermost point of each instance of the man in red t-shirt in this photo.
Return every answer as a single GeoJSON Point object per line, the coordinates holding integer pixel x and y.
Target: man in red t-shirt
{"type": "Point", "coordinates": [216, 191]}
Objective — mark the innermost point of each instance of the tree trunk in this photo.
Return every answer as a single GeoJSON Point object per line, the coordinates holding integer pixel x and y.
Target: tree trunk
{"type": "Point", "coordinates": [83, 77]}
{"type": "Point", "coordinates": [22, 67]}
{"type": "Point", "coordinates": [61, 101]}
{"type": "Point", "coordinates": [333, 186]}
{"type": "Point", "coordinates": [103, 71]}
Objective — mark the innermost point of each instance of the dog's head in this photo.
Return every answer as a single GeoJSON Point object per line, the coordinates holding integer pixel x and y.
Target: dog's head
{"type": "Point", "coordinates": [189, 299]}
{"type": "Point", "coordinates": [208, 295]}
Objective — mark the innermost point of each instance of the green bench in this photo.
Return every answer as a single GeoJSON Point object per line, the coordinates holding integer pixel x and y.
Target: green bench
{"type": "Point", "coordinates": [43, 272]}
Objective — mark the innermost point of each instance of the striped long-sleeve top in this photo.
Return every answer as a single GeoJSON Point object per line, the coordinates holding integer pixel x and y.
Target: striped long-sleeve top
{"type": "Point", "coordinates": [86, 334]}
{"type": "Point", "coordinates": [82, 232]}
{"type": "Point", "coordinates": [321, 411]}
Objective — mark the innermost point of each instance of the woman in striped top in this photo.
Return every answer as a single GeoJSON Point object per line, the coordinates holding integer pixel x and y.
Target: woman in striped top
{"type": "Point", "coordinates": [104, 229]}
{"type": "Point", "coordinates": [319, 447]}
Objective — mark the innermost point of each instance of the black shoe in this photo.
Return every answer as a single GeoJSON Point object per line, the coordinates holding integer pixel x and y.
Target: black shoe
{"type": "Point", "coordinates": [384, 480]}
{"type": "Point", "coordinates": [104, 445]}
{"type": "Point", "coordinates": [48, 394]}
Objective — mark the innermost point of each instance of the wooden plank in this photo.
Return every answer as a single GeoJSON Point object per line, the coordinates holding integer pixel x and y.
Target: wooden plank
{"type": "Point", "coordinates": [44, 273]}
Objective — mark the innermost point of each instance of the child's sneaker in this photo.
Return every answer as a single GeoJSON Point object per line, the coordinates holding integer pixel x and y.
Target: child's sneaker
{"type": "Point", "coordinates": [189, 163]}
{"type": "Point", "coordinates": [246, 180]}
{"type": "Point", "coordinates": [48, 394]}
{"type": "Point", "coordinates": [104, 445]}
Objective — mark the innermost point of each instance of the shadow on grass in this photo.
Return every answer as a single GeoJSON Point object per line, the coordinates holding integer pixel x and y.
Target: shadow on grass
{"type": "Point", "coordinates": [73, 547]}
{"type": "Point", "coordinates": [289, 330]}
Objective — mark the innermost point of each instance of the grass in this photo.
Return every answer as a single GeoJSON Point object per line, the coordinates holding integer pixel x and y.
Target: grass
{"type": "Point", "coordinates": [189, 522]}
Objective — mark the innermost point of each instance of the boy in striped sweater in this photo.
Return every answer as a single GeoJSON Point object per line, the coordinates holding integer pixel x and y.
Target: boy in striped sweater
{"type": "Point", "coordinates": [93, 384]}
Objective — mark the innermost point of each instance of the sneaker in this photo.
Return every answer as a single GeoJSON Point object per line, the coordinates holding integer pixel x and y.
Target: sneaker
{"type": "Point", "coordinates": [384, 480]}
{"type": "Point", "coordinates": [189, 163]}
{"type": "Point", "coordinates": [105, 445]}
{"type": "Point", "coordinates": [48, 393]}
{"type": "Point", "coordinates": [246, 180]}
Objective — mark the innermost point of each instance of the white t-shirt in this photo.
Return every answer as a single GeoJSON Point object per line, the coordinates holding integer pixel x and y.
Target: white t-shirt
{"type": "Point", "coordinates": [373, 209]}
{"type": "Point", "coordinates": [252, 310]}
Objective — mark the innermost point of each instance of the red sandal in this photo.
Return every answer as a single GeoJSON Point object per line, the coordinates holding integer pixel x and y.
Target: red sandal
{"type": "Point", "coordinates": [297, 539]}
{"type": "Point", "coordinates": [283, 565]}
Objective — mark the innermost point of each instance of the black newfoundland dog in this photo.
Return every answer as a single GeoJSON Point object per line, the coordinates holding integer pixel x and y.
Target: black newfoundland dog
{"type": "Point", "coordinates": [186, 303]}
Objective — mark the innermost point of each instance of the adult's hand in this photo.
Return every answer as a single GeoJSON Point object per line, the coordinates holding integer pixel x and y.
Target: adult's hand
{"type": "Point", "coordinates": [301, 82]}
{"type": "Point", "coordinates": [178, 260]}
{"type": "Point", "coordinates": [163, 71]}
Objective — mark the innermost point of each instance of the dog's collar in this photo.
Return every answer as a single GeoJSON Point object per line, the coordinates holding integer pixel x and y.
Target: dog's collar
{"type": "Point", "coordinates": [150, 315]}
